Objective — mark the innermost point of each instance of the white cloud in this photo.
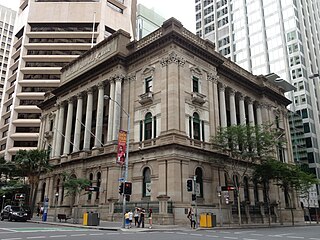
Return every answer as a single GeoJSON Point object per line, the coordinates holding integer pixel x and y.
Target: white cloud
{"type": "Point", "coordinates": [13, 4]}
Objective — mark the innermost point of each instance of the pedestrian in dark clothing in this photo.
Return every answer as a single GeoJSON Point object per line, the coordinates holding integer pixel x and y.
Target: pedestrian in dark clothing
{"type": "Point", "coordinates": [192, 218]}
{"type": "Point", "coordinates": [141, 220]}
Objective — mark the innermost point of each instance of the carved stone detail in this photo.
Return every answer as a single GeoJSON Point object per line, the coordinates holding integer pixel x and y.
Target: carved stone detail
{"type": "Point", "coordinates": [172, 58]}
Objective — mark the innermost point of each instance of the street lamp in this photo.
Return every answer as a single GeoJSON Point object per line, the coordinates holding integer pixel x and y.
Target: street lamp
{"type": "Point", "coordinates": [3, 198]}
{"type": "Point", "coordinates": [55, 207]}
{"type": "Point", "coordinates": [127, 157]}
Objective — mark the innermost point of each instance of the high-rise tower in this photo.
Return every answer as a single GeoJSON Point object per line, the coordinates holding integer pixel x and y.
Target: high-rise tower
{"type": "Point", "coordinates": [49, 34]}
{"type": "Point", "coordinates": [272, 36]}
{"type": "Point", "coordinates": [7, 18]}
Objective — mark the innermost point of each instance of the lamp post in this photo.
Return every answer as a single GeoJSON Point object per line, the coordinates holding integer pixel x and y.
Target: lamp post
{"type": "Point", "coordinates": [3, 198]}
{"type": "Point", "coordinates": [126, 159]}
{"type": "Point", "coordinates": [55, 207]}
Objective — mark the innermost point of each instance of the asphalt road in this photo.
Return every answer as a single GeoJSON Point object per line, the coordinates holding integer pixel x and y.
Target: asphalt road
{"type": "Point", "coordinates": [27, 230]}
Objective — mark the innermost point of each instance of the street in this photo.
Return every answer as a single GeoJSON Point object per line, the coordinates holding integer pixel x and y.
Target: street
{"type": "Point", "coordinates": [29, 230]}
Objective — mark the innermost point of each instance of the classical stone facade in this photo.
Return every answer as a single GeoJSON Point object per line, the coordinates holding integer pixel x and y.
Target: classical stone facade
{"type": "Point", "coordinates": [177, 91]}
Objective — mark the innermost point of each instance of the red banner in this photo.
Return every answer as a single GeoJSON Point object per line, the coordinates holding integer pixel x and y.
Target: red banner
{"type": "Point", "coordinates": [122, 146]}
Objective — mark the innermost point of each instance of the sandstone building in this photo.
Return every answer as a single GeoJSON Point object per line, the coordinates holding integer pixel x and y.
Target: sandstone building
{"type": "Point", "coordinates": [177, 91]}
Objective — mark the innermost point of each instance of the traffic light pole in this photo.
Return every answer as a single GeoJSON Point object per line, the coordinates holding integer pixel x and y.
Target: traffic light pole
{"type": "Point", "coordinates": [195, 201]}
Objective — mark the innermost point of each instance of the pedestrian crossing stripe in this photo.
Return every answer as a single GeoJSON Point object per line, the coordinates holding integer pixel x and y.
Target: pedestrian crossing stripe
{"type": "Point", "coordinates": [42, 229]}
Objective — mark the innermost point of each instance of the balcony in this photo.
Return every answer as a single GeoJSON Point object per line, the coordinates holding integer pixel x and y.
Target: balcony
{"type": "Point", "coordinates": [146, 98]}
{"type": "Point", "coordinates": [198, 98]}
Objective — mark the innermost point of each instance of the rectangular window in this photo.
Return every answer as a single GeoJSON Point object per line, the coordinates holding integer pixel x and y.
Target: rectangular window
{"type": "Point", "coordinates": [195, 84]}
{"type": "Point", "coordinates": [141, 127]}
{"type": "Point", "coordinates": [148, 84]}
{"type": "Point", "coordinates": [154, 127]}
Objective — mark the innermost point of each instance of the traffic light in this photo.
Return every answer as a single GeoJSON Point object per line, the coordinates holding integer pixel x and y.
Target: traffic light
{"type": "Point", "coordinates": [127, 188]}
{"type": "Point", "coordinates": [127, 198]}
{"type": "Point", "coordinates": [227, 200]}
{"type": "Point", "coordinates": [189, 185]}
{"type": "Point", "coordinates": [121, 188]}
{"type": "Point", "coordinates": [194, 197]}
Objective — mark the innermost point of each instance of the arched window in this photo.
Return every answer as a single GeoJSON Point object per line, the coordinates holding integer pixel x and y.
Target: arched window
{"type": "Point", "coordinates": [199, 182]}
{"type": "Point", "coordinates": [148, 126]}
{"type": "Point", "coordinates": [98, 184]}
{"type": "Point", "coordinates": [146, 191]}
{"type": "Point", "coordinates": [196, 126]}
{"type": "Point", "coordinates": [246, 189]}
{"type": "Point", "coordinates": [90, 179]}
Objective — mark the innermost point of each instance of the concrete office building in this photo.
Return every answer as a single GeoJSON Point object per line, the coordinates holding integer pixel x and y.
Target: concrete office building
{"type": "Point", "coordinates": [147, 21]}
{"type": "Point", "coordinates": [7, 20]}
{"type": "Point", "coordinates": [272, 36]}
{"type": "Point", "coordinates": [50, 34]}
{"type": "Point", "coordinates": [176, 90]}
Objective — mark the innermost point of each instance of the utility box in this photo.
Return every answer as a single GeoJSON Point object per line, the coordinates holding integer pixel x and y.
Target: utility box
{"type": "Point", "coordinates": [93, 219]}
{"type": "Point", "coordinates": [85, 219]}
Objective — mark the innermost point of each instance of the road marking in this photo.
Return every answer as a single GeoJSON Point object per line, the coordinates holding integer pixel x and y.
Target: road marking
{"type": "Point", "coordinates": [11, 238]}
{"type": "Point", "coordinates": [295, 237]}
{"type": "Point", "coordinates": [243, 232]}
{"type": "Point", "coordinates": [42, 237]}
{"type": "Point", "coordinates": [231, 237]}
{"type": "Point", "coordinates": [196, 234]}
{"type": "Point", "coordinates": [57, 236]}
{"type": "Point", "coordinates": [182, 233]}
{"type": "Point", "coordinates": [256, 234]}
{"type": "Point", "coordinates": [113, 233]}
{"type": "Point", "coordinates": [213, 236]}
{"type": "Point", "coordinates": [8, 229]}
{"type": "Point", "coordinates": [96, 234]}
{"type": "Point", "coordinates": [78, 235]}
{"type": "Point", "coordinates": [314, 238]}
{"type": "Point", "coordinates": [249, 239]}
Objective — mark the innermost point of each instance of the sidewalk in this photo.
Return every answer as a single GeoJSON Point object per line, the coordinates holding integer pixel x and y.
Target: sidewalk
{"type": "Point", "coordinates": [117, 226]}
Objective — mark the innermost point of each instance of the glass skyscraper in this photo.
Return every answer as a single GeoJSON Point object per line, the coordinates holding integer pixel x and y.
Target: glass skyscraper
{"type": "Point", "coordinates": [272, 36]}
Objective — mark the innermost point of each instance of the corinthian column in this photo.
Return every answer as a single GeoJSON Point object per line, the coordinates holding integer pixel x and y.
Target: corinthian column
{"type": "Point", "coordinates": [77, 129]}
{"type": "Point", "coordinates": [117, 108]}
{"type": "Point", "coordinates": [66, 149]}
{"type": "Point", "coordinates": [223, 112]}
{"type": "Point", "coordinates": [233, 114]}
{"type": "Point", "coordinates": [99, 121]}
{"type": "Point", "coordinates": [87, 130]}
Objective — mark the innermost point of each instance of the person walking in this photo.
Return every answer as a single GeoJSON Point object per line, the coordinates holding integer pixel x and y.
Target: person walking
{"type": "Point", "coordinates": [150, 218]}
{"type": "Point", "coordinates": [136, 217]}
{"type": "Point", "coordinates": [130, 218]}
{"type": "Point", "coordinates": [192, 218]}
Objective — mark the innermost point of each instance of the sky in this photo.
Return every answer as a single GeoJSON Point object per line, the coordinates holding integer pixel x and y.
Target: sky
{"type": "Point", "coordinates": [183, 10]}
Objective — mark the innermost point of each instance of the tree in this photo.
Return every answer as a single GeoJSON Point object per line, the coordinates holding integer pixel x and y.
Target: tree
{"type": "Point", "coordinates": [287, 176]}
{"type": "Point", "coordinates": [73, 187]}
{"type": "Point", "coordinates": [32, 163]}
{"type": "Point", "coordinates": [246, 146]}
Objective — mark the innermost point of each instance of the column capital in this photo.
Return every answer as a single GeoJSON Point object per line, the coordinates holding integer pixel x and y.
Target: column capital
{"type": "Point", "coordinates": [131, 77]}
{"type": "Point", "coordinates": [70, 100]}
{"type": "Point", "coordinates": [79, 95]}
{"type": "Point", "coordinates": [241, 96]}
{"type": "Point", "coordinates": [118, 77]}
{"type": "Point", "coordinates": [232, 92]}
{"type": "Point", "coordinates": [213, 76]}
{"type": "Point", "coordinates": [89, 90]}
{"type": "Point", "coordinates": [249, 100]}
{"type": "Point", "coordinates": [222, 87]}
{"type": "Point", "coordinates": [172, 58]}
{"type": "Point", "coordinates": [100, 85]}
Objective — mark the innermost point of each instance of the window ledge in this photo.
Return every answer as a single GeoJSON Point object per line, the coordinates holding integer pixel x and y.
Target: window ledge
{"type": "Point", "coordinates": [146, 98]}
{"type": "Point", "coordinates": [198, 98]}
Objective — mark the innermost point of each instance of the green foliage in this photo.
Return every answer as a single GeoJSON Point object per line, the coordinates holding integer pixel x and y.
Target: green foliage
{"type": "Point", "coordinates": [32, 162]}
{"type": "Point", "coordinates": [249, 142]}
{"type": "Point", "coordinates": [73, 185]}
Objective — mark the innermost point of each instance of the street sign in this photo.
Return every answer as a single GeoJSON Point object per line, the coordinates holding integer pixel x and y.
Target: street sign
{"type": "Point", "coordinates": [91, 189]}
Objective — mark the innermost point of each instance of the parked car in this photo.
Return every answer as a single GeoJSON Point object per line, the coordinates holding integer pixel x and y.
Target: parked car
{"type": "Point", "coordinates": [15, 213]}
{"type": "Point", "coordinates": [27, 209]}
